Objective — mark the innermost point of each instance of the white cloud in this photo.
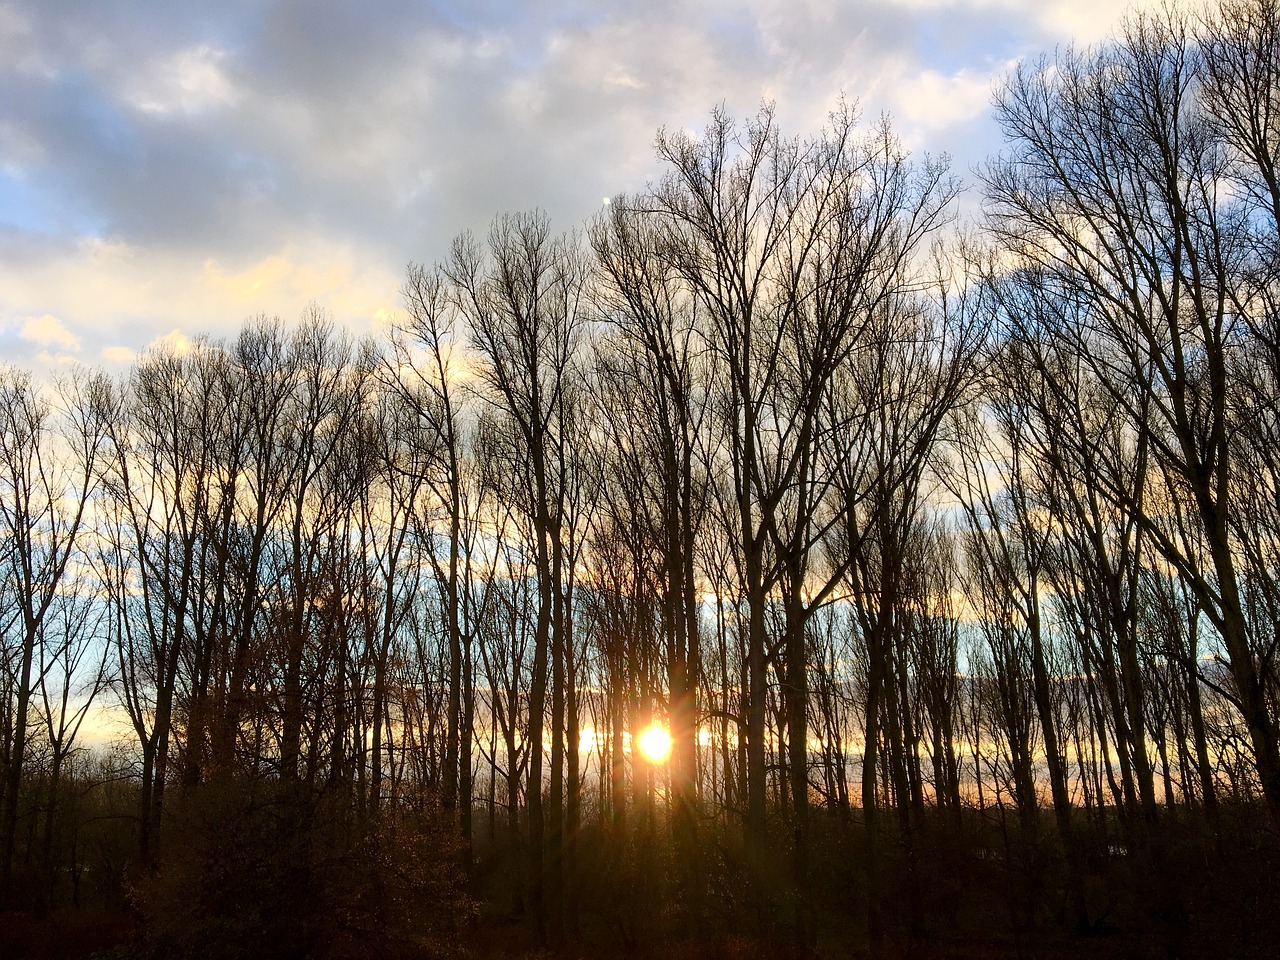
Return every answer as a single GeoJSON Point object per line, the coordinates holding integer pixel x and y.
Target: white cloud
{"type": "Point", "coordinates": [47, 359]}
{"type": "Point", "coordinates": [105, 251]}
{"type": "Point", "coordinates": [175, 341]}
{"type": "Point", "coordinates": [118, 355]}
{"type": "Point", "coordinates": [1085, 22]}
{"type": "Point", "coordinates": [620, 79]}
{"type": "Point", "coordinates": [46, 331]}
{"type": "Point", "coordinates": [189, 81]}
{"type": "Point", "coordinates": [108, 300]}
{"type": "Point", "coordinates": [929, 101]}
{"type": "Point", "coordinates": [284, 282]}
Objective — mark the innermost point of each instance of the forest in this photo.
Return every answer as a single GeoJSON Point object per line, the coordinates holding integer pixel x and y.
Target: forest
{"type": "Point", "coordinates": [784, 562]}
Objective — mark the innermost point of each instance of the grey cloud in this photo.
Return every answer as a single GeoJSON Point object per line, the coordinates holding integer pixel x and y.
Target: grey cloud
{"type": "Point", "coordinates": [386, 129]}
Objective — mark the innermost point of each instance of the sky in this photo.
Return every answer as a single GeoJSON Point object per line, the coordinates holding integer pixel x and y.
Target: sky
{"type": "Point", "coordinates": [170, 169]}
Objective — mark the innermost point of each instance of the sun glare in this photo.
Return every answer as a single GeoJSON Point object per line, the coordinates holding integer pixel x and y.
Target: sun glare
{"type": "Point", "coordinates": [655, 744]}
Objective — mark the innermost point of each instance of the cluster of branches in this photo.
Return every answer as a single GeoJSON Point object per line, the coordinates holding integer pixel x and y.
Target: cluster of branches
{"type": "Point", "coordinates": [870, 518]}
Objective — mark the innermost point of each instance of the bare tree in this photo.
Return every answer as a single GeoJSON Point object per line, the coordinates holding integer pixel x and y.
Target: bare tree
{"type": "Point", "coordinates": [652, 395]}
{"type": "Point", "coordinates": [523, 305]}
{"type": "Point", "coordinates": [1116, 187]}
{"type": "Point", "coordinates": [50, 452]}
{"type": "Point", "coordinates": [431, 388]}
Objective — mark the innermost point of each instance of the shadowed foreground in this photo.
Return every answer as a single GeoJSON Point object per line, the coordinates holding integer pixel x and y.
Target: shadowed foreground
{"type": "Point", "coordinates": [255, 871]}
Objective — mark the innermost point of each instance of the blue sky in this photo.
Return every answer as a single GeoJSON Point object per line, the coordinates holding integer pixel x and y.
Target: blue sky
{"type": "Point", "coordinates": [166, 172]}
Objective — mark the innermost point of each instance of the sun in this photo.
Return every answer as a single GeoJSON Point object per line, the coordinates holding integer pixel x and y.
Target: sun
{"type": "Point", "coordinates": [655, 744]}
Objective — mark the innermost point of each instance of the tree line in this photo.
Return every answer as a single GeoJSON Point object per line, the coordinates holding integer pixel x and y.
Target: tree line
{"type": "Point", "coordinates": [896, 526]}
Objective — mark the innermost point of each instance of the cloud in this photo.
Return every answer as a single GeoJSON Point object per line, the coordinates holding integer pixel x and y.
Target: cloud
{"type": "Point", "coordinates": [929, 103]}
{"type": "Point", "coordinates": [19, 150]}
{"type": "Point", "coordinates": [46, 331]}
{"type": "Point", "coordinates": [175, 341]}
{"type": "Point", "coordinates": [1087, 22]}
{"type": "Point", "coordinates": [188, 81]}
{"type": "Point", "coordinates": [46, 359]}
{"type": "Point", "coordinates": [163, 166]}
{"type": "Point", "coordinates": [17, 50]}
{"type": "Point", "coordinates": [297, 276]}
{"type": "Point", "coordinates": [103, 298]}
{"type": "Point", "coordinates": [117, 355]}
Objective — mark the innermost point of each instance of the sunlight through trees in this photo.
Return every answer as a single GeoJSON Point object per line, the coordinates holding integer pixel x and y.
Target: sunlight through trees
{"type": "Point", "coordinates": [771, 552]}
